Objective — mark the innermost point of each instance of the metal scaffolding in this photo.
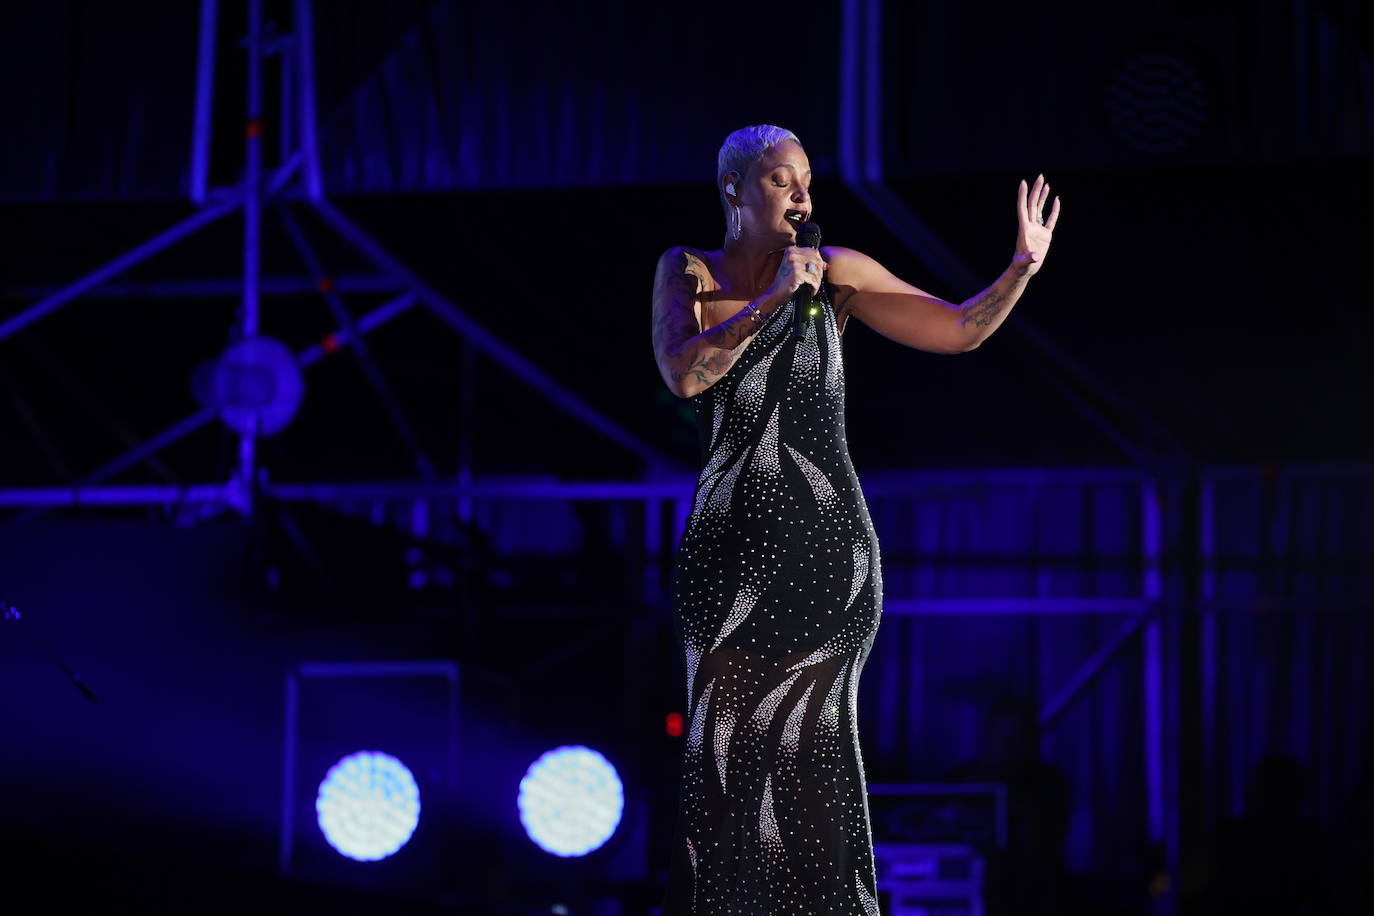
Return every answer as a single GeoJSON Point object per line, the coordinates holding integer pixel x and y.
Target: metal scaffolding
{"type": "Point", "coordinates": [665, 497]}
{"type": "Point", "coordinates": [1165, 473]}
{"type": "Point", "coordinates": [262, 192]}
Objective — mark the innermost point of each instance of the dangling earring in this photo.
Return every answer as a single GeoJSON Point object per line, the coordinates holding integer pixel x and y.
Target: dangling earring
{"type": "Point", "coordinates": [734, 223]}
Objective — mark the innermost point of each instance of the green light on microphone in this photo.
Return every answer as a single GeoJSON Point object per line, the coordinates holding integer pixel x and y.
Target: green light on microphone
{"type": "Point", "coordinates": [814, 311]}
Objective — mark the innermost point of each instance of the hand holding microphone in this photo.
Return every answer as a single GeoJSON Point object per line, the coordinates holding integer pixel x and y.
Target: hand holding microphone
{"type": "Point", "coordinates": [808, 237]}
{"type": "Point", "coordinates": [800, 273]}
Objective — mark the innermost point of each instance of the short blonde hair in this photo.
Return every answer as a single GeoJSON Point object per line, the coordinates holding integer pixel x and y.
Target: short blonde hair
{"type": "Point", "coordinates": [744, 147]}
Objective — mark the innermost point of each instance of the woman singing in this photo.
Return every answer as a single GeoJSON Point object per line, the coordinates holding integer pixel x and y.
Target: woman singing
{"type": "Point", "coordinates": [777, 590]}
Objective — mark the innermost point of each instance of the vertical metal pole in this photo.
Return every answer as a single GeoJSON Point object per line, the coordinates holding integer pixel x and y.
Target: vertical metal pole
{"type": "Point", "coordinates": [651, 561]}
{"type": "Point", "coordinates": [205, 96]}
{"type": "Point", "coordinates": [466, 423]}
{"type": "Point", "coordinates": [1154, 701]}
{"type": "Point", "coordinates": [1153, 591]}
{"type": "Point", "coordinates": [305, 81]}
{"type": "Point", "coordinates": [252, 224]}
{"type": "Point", "coordinates": [252, 198]}
{"type": "Point", "coordinates": [1208, 650]}
{"type": "Point", "coordinates": [467, 400]}
{"type": "Point", "coordinates": [872, 100]}
{"type": "Point", "coordinates": [848, 117]}
{"type": "Point", "coordinates": [451, 773]}
{"type": "Point", "coordinates": [682, 508]}
{"type": "Point", "coordinates": [288, 56]}
{"type": "Point", "coordinates": [288, 766]}
{"type": "Point", "coordinates": [419, 518]}
{"type": "Point", "coordinates": [860, 115]}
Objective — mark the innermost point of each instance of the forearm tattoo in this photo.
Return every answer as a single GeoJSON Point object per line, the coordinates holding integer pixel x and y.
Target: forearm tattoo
{"type": "Point", "coordinates": [681, 349]}
{"type": "Point", "coordinates": [985, 311]}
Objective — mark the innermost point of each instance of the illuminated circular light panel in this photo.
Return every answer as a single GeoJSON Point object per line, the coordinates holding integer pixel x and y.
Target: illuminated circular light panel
{"type": "Point", "coordinates": [368, 805]}
{"type": "Point", "coordinates": [571, 800]}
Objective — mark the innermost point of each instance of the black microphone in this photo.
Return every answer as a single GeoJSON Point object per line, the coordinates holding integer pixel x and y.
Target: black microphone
{"type": "Point", "coordinates": [808, 236]}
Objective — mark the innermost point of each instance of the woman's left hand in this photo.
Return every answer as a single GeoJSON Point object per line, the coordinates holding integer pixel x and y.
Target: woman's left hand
{"type": "Point", "coordinates": [1033, 236]}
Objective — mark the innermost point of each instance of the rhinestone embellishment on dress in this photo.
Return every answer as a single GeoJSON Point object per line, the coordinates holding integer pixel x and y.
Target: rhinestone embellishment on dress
{"type": "Point", "coordinates": [777, 597]}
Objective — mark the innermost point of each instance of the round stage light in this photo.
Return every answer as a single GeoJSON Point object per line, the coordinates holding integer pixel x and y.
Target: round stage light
{"type": "Point", "coordinates": [368, 805]}
{"type": "Point", "coordinates": [256, 386]}
{"type": "Point", "coordinates": [571, 800]}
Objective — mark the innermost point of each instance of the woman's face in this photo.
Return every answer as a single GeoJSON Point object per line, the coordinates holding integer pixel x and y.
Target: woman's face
{"type": "Point", "coordinates": [776, 197]}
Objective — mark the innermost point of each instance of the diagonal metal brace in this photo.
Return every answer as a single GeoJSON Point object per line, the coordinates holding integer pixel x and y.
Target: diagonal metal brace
{"type": "Point", "coordinates": [1095, 665]}
{"type": "Point", "coordinates": [162, 240]}
{"type": "Point", "coordinates": [174, 433]}
{"type": "Point", "coordinates": [423, 464]}
{"type": "Point", "coordinates": [492, 345]}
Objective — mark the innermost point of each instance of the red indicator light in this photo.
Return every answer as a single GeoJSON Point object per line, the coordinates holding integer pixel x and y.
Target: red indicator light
{"type": "Point", "coordinates": [331, 343]}
{"type": "Point", "coordinates": [672, 724]}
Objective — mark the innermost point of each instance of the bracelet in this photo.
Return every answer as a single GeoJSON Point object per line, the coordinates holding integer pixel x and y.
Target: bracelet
{"type": "Point", "coordinates": [754, 312]}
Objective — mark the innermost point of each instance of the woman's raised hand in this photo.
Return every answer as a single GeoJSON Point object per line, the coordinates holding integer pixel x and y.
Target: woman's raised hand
{"type": "Point", "coordinates": [1033, 230]}
{"type": "Point", "coordinates": [799, 265]}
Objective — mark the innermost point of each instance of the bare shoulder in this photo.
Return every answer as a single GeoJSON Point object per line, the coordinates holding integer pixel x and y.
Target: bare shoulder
{"type": "Point", "coordinates": [685, 260]}
{"type": "Point", "coordinates": [837, 253]}
{"type": "Point", "coordinates": [848, 266]}
{"type": "Point", "coordinates": [845, 273]}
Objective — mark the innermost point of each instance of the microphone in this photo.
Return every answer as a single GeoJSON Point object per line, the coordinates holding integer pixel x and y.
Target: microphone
{"type": "Point", "coordinates": [808, 236]}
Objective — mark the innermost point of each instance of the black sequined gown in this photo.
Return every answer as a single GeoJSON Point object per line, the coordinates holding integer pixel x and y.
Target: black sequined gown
{"type": "Point", "coordinates": [777, 595]}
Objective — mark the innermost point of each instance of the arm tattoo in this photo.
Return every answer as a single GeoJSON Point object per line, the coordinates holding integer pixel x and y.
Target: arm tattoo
{"type": "Point", "coordinates": [676, 282]}
{"type": "Point", "coordinates": [679, 344]}
{"type": "Point", "coordinates": [983, 312]}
